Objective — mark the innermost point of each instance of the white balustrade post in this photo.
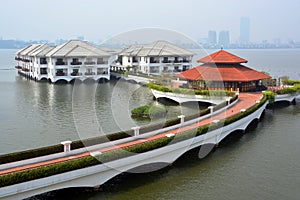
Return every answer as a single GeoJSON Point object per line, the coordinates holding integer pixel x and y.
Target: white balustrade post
{"type": "Point", "coordinates": [211, 108]}
{"type": "Point", "coordinates": [67, 145]}
{"type": "Point", "coordinates": [181, 117]}
{"type": "Point", "coordinates": [136, 130]}
{"type": "Point", "coordinates": [228, 100]}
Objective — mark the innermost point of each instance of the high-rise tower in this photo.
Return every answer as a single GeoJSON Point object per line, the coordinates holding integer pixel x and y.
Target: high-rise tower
{"type": "Point", "coordinates": [245, 30]}
{"type": "Point", "coordinates": [212, 37]}
{"type": "Point", "coordinates": [224, 39]}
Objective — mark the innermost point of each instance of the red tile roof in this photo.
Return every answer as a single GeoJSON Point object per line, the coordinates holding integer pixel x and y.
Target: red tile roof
{"type": "Point", "coordinates": [234, 73]}
{"type": "Point", "coordinates": [222, 57]}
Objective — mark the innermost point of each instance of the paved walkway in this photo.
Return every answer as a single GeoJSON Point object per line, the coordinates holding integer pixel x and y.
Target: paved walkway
{"type": "Point", "coordinates": [246, 100]}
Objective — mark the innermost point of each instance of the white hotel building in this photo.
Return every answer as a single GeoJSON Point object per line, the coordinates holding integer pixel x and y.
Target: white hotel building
{"type": "Point", "coordinates": [156, 58]}
{"type": "Point", "coordinates": [73, 60]}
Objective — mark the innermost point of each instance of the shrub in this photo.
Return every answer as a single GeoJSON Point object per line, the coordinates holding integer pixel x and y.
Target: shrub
{"type": "Point", "coordinates": [270, 96]}
{"type": "Point", "coordinates": [148, 111]}
{"type": "Point", "coordinates": [190, 91]}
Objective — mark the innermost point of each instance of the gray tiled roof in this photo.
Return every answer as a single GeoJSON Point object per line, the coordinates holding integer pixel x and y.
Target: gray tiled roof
{"type": "Point", "coordinates": [29, 49]}
{"type": "Point", "coordinates": [158, 48]}
{"type": "Point", "coordinates": [42, 51]}
{"type": "Point", "coordinates": [77, 48]}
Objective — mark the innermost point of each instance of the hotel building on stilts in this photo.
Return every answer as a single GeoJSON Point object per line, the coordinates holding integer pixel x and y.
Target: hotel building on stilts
{"type": "Point", "coordinates": [73, 60]}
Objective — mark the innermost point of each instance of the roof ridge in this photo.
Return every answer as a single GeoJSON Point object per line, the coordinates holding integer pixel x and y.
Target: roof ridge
{"type": "Point", "coordinates": [62, 45]}
{"type": "Point", "coordinates": [161, 49]}
{"type": "Point", "coordinates": [75, 47]}
{"type": "Point", "coordinates": [154, 43]}
{"type": "Point", "coordinates": [243, 74]}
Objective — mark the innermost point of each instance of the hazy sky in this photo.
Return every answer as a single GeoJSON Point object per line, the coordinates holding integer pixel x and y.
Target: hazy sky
{"type": "Point", "coordinates": [101, 19]}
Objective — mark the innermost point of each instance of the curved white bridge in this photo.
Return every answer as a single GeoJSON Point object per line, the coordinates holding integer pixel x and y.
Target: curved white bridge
{"type": "Point", "coordinates": [286, 97]}
{"type": "Point", "coordinates": [182, 98]}
{"type": "Point", "coordinates": [99, 174]}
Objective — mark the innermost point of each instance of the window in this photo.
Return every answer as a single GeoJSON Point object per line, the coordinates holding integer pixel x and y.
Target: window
{"type": "Point", "coordinates": [43, 61]}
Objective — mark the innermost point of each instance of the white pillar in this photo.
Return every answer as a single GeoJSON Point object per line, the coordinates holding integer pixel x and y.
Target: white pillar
{"type": "Point", "coordinates": [228, 100]}
{"type": "Point", "coordinates": [211, 109]}
{"type": "Point", "coordinates": [136, 130]}
{"type": "Point", "coordinates": [181, 117]}
{"type": "Point", "coordinates": [67, 145]}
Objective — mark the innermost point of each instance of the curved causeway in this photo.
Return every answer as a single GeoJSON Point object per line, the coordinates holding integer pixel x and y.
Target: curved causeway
{"type": "Point", "coordinates": [92, 176]}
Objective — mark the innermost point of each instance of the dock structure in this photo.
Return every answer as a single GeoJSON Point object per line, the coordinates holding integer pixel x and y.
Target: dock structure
{"type": "Point", "coordinates": [70, 61]}
{"type": "Point", "coordinates": [95, 175]}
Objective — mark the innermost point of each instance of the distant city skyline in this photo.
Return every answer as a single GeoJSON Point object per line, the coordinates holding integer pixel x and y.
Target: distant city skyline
{"type": "Point", "coordinates": [245, 30]}
{"type": "Point", "coordinates": [100, 20]}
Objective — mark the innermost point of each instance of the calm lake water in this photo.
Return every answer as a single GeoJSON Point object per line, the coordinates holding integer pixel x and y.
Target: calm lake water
{"type": "Point", "coordinates": [263, 164]}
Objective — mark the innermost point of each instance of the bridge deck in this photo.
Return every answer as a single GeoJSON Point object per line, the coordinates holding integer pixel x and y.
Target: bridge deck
{"type": "Point", "coordinates": [246, 100]}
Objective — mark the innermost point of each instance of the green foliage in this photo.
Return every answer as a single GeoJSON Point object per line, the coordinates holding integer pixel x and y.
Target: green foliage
{"type": "Point", "coordinates": [12, 157]}
{"type": "Point", "coordinates": [291, 82]}
{"type": "Point", "coordinates": [46, 171]}
{"type": "Point", "coordinates": [33, 153]}
{"type": "Point", "coordinates": [148, 111]}
{"type": "Point", "coordinates": [270, 96]}
{"type": "Point", "coordinates": [289, 90]}
{"type": "Point", "coordinates": [163, 88]}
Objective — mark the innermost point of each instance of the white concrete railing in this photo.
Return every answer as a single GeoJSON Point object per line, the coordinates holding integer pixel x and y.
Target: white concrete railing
{"type": "Point", "coordinates": [137, 79]}
{"type": "Point", "coordinates": [181, 98]}
{"type": "Point", "coordinates": [99, 174]}
{"type": "Point", "coordinates": [286, 97]}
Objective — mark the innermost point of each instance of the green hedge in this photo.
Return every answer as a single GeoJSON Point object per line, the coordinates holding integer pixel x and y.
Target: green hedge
{"type": "Point", "coordinates": [148, 111]}
{"type": "Point", "coordinates": [59, 168]}
{"type": "Point", "coordinates": [291, 82]}
{"type": "Point", "coordinates": [42, 172]}
{"type": "Point", "coordinates": [32, 153]}
{"type": "Point", "coordinates": [289, 90]}
{"type": "Point", "coordinates": [270, 95]}
{"type": "Point", "coordinates": [163, 88]}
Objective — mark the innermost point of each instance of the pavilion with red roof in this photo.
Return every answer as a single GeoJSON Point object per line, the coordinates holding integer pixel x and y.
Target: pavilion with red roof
{"type": "Point", "coordinates": [223, 70]}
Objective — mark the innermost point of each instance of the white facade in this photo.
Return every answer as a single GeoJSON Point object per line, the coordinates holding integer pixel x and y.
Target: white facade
{"type": "Point", "coordinates": [156, 58]}
{"type": "Point", "coordinates": [74, 60]}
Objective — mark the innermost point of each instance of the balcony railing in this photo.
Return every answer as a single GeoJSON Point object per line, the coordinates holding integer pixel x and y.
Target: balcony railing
{"type": "Point", "coordinates": [61, 74]}
{"type": "Point", "coordinates": [76, 63]}
{"type": "Point", "coordinates": [89, 63]}
{"type": "Point", "coordinates": [43, 73]}
{"type": "Point", "coordinates": [25, 70]}
{"type": "Point", "coordinates": [102, 62]}
{"type": "Point", "coordinates": [100, 73]}
{"type": "Point", "coordinates": [18, 67]}
{"type": "Point", "coordinates": [76, 74]}
{"type": "Point", "coordinates": [89, 73]}
{"type": "Point", "coordinates": [43, 63]}
{"type": "Point", "coordinates": [154, 61]}
{"type": "Point", "coordinates": [60, 63]}
{"type": "Point", "coordinates": [25, 60]}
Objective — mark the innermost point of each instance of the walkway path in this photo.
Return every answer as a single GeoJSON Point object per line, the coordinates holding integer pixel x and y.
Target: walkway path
{"type": "Point", "coordinates": [246, 100]}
